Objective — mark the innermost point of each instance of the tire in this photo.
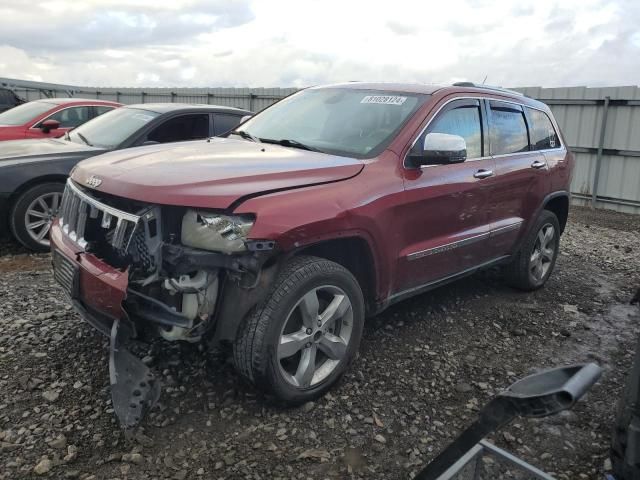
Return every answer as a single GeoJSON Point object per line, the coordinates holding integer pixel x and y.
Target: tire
{"type": "Point", "coordinates": [51, 194]}
{"type": "Point", "coordinates": [262, 351]}
{"type": "Point", "coordinates": [521, 271]}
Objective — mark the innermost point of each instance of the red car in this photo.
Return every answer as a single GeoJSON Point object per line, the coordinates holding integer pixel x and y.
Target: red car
{"type": "Point", "coordinates": [321, 210]}
{"type": "Point", "coordinates": [50, 117]}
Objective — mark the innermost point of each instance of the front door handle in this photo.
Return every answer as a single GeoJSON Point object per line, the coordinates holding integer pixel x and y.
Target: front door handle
{"type": "Point", "coordinates": [538, 164]}
{"type": "Point", "coordinates": [483, 173]}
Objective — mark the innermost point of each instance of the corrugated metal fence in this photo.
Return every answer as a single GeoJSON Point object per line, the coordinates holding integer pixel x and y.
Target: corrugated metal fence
{"type": "Point", "coordinates": [601, 126]}
{"type": "Point", "coordinates": [254, 99]}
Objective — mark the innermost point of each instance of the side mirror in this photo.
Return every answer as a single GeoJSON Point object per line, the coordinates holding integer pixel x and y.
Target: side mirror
{"type": "Point", "coordinates": [440, 149]}
{"type": "Point", "coordinates": [49, 125]}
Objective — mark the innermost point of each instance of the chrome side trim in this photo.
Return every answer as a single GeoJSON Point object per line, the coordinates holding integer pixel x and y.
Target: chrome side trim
{"type": "Point", "coordinates": [448, 246]}
{"type": "Point", "coordinates": [506, 228]}
{"type": "Point", "coordinates": [465, 241]}
{"type": "Point", "coordinates": [553, 121]}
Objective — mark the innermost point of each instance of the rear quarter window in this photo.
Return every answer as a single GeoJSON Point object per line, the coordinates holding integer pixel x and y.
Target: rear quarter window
{"type": "Point", "coordinates": [508, 129]}
{"type": "Point", "coordinates": [543, 135]}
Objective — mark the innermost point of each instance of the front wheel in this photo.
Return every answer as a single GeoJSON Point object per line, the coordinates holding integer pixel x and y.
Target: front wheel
{"type": "Point", "coordinates": [299, 342]}
{"type": "Point", "coordinates": [531, 267]}
{"type": "Point", "coordinates": [32, 215]}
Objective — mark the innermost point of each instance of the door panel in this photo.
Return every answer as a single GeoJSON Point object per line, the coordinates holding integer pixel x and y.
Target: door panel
{"type": "Point", "coordinates": [447, 223]}
{"type": "Point", "coordinates": [444, 220]}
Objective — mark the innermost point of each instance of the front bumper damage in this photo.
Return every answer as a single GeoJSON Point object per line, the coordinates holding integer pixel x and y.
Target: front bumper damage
{"type": "Point", "coordinates": [97, 293]}
{"type": "Point", "coordinates": [106, 298]}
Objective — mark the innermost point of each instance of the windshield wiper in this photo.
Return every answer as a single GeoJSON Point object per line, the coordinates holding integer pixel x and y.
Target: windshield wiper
{"type": "Point", "coordinates": [287, 142]}
{"type": "Point", "coordinates": [83, 138]}
{"type": "Point", "coordinates": [244, 134]}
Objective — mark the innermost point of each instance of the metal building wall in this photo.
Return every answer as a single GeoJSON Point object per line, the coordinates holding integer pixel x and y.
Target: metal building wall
{"type": "Point", "coordinates": [613, 144]}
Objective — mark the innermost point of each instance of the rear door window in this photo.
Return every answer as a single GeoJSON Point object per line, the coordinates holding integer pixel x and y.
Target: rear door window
{"type": "Point", "coordinates": [508, 129]}
{"type": "Point", "coordinates": [222, 123]}
{"type": "Point", "coordinates": [462, 119]}
{"type": "Point", "coordinates": [543, 135]}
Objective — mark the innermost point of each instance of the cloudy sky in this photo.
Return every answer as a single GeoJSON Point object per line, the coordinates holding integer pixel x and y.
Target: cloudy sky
{"type": "Point", "coordinates": [304, 42]}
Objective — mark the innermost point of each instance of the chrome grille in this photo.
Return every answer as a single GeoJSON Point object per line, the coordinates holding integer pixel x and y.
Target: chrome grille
{"type": "Point", "coordinates": [77, 207]}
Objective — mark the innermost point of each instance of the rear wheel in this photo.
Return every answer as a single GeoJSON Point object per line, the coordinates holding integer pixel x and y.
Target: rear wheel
{"type": "Point", "coordinates": [531, 267]}
{"type": "Point", "coordinates": [33, 213]}
{"type": "Point", "coordinates": [307, 332]}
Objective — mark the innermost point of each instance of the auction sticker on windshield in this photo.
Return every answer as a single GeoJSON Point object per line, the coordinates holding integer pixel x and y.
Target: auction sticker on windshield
{"type": "Point", "coordinates": [384, 99]}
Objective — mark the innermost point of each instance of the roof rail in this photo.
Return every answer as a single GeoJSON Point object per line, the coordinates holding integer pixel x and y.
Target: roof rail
{"type": "Point", "coordinates": [487, 87]}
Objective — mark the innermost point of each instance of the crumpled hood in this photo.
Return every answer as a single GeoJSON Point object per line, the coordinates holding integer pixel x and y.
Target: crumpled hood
{"type": "Point", "coordinates": [42, 149]}
{"type": "Point", "coordinates": [210, 174]}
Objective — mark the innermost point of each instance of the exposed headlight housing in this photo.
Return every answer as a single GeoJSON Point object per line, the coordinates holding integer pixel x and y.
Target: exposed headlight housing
{"type": "Point", "coordinates": [213, 231]}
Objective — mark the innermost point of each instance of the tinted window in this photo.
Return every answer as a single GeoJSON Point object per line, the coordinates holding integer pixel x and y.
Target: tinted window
{"type": "Point", "coordinates": [102, 109]}
{"type": "Point", "coordinates": [341, 121]}
{"type": "Point", "coordinates": [462, 121]}
{"type": "Point", "coordinates": [23, 113]}
{"type": "Point", "coordinates": [543, 135]}
{"type": "Point", "coordinates": [223, 123]}
{"type": "Point", "coordinates": [112, 128]}
{"type": "Point", "coordinates": [71, 117]}
{"type": "Point", "coordinates": [508, 129]}
{"type": "Point", "coordinates": [184, 127]}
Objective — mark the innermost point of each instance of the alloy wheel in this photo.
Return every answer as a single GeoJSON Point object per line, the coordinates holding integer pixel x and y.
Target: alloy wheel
{"type": "Point", "coordinates": [543, 252]}
{"type": "Point", "coordinates": [315, 336]}
{"type": "Point", "coordinates": [39, 216]}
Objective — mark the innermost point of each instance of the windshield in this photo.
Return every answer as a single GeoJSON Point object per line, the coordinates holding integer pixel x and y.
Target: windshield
{"type": "Point", "coordinates": [341, 121]}
{"type": "Point", "coordinates": [112, 128]}
{"type": "Point", "coordinates": [24, 113]}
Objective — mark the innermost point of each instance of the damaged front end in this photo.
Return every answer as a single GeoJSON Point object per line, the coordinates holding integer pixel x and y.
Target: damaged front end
{"type": "Point", "coordinates": [138, 272]}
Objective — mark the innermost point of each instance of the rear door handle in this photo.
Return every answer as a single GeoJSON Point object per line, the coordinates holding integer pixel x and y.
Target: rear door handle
{"type": "Point", "coordinates": [483, 173]}
{"type": "Point", "coordinates": [538, 164]}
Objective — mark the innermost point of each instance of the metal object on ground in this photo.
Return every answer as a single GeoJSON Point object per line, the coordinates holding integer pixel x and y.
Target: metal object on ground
{"type": "Point", "coordinates": [539, 395]}
{"type": "Point", "coordinates": [625, 448]}
{"type": "Point", "coordinates": [134, 389]}
{"type": "Point", "coordinates": [486, 461]}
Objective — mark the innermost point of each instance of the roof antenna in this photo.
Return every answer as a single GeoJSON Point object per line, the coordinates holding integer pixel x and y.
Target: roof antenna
{"type": "Point", "coordinates": [485, 79]}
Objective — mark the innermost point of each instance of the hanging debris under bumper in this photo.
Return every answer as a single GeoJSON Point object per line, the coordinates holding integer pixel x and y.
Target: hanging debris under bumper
{"type": "Point", "coordinates": [134, 388]}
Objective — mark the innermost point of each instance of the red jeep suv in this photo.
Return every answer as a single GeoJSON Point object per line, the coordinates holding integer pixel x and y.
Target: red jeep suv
{"type": "Point", "coordinates": [321, 210]}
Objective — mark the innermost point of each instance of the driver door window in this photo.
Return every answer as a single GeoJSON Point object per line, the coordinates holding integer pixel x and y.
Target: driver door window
{"type": "Point", "coordinates": [70, 117]}
{"type": "Point", "coordinates": [182, 128]}
{"type": "Point", "coordinates": [464, 121]}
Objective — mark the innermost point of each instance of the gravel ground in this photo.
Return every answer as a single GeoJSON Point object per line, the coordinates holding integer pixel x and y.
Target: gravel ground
{"type": "Point", "coordinates": [426, 365]}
